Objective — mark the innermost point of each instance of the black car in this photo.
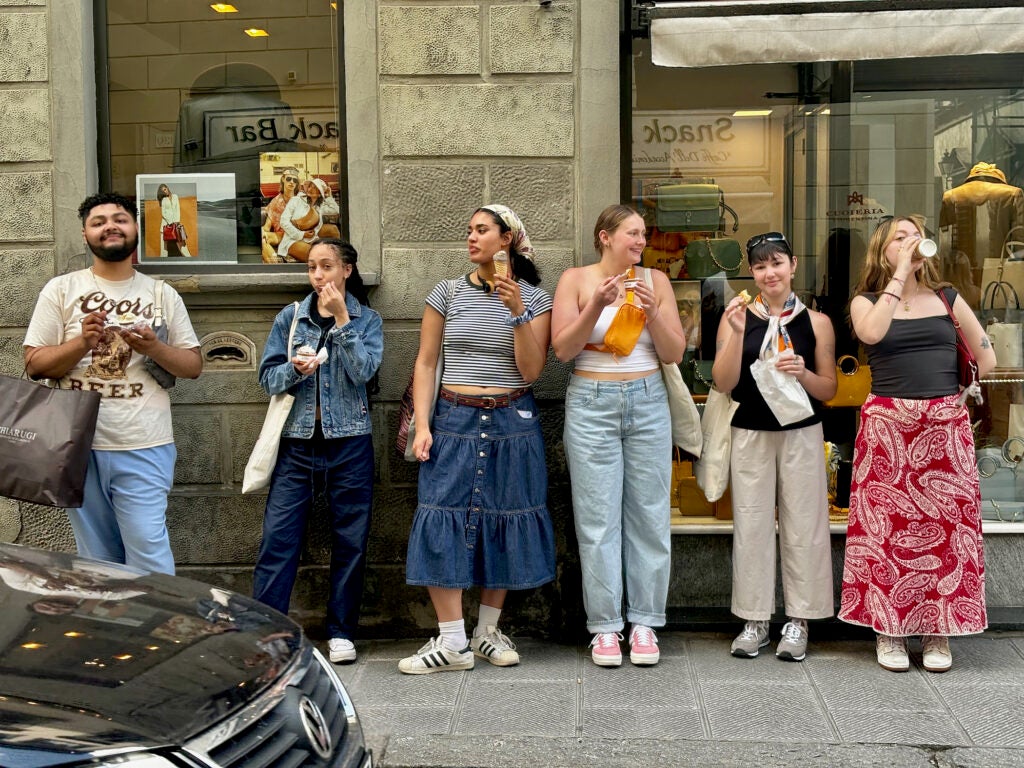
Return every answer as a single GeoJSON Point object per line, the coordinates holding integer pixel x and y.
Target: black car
{"type": "Point", "coordinates": [102, 665]}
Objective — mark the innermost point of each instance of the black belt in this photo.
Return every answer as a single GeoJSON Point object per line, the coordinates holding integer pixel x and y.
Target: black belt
{"type": "Point", "coordinates": [504, 400]}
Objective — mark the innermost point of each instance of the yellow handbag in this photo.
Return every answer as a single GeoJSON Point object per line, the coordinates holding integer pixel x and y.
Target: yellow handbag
{"type": "Point", "coordinates": [854, 383]}
{"type": "Point", "coordinates": [625, 328]}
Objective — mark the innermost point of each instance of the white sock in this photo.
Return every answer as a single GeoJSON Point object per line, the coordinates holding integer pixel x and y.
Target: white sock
{"type": "Point", "coordinates": [488, 618]}
{"type": "Point", "coordinates": [453, 634]}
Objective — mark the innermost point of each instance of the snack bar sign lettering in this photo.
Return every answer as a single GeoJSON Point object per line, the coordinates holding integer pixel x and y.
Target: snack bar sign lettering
{"type": "Point", "coordinates": [698, 141]}
{"type": "Point", "coordinates": [229, 131]}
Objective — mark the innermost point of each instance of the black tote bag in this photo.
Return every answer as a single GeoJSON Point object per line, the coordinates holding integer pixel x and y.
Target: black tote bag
{"type": "Point", "coordinates": [45, 439]}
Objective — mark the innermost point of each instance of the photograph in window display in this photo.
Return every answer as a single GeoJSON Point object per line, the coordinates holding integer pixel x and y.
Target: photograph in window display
{"type": "Point", "coordinates": [777, 358]}
{"type": "Point", "coordinates": [302, 220]}
{"type": "Point", "coordinates": [272, 232]}
{"type": "Point", "coordinates": [915, 564]}
{"type": "Point", "coordinates": [187, 216]}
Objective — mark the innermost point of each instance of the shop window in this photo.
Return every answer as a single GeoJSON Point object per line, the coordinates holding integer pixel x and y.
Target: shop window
{"type": "Point", "coordinates": [822, 151]}
{"type": "Point", "coordinates": [223, 122]}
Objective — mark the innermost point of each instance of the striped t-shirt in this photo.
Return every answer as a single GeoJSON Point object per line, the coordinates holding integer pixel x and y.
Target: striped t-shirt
{"type": "Point", "coordinates": [478, 344]}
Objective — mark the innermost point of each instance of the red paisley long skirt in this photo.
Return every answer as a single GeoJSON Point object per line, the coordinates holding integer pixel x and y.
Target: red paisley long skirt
{"type": "Point", "coordinates": [915, 562]}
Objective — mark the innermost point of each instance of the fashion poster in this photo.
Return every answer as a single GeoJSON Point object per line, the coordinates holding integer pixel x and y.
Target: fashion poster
{"type": "Point", "coordinates": [187, 217]}
{"type": "Point", "coordinates": [305, 186]}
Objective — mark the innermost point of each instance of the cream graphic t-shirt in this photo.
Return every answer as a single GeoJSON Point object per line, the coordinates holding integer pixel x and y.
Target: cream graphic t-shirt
{"type": "Point", "coordinates": [135, 411]}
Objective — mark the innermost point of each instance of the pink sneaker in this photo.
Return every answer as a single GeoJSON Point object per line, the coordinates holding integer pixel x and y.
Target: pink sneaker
{"type": "Point", "coordinates": [643, 646]}
{"type": "Point", "coordinates": [606, 651]}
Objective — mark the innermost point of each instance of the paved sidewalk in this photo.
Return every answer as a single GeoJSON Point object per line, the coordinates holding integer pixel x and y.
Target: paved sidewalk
{"type": "Point", "coordinates": [699, 706]}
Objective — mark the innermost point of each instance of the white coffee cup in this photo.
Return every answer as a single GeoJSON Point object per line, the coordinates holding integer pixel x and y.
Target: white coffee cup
{"type": "Point", "coordinates": [927, 248]}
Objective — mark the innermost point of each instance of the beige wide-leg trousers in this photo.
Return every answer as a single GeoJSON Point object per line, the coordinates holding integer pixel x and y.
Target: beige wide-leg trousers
{"type": "Point", "coordinates": [784, 469]}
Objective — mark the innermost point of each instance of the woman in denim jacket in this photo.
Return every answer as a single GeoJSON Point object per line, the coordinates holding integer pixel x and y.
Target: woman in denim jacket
{"type": "Point", "coordinates": [326, 445]}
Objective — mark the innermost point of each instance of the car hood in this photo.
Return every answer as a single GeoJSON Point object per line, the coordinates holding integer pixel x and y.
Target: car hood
{"type": "Point", "coordinates": [95, 655]}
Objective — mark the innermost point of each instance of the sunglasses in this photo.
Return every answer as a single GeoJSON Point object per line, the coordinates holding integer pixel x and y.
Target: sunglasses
{"type": "Point", "coordinates": [768, 237]}
{"type": "Point", "coordinates": [293, 179]}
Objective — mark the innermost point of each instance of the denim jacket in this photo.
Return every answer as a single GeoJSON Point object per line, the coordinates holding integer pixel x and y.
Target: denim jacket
{"type": "Point", "coordinates": [354, 353]}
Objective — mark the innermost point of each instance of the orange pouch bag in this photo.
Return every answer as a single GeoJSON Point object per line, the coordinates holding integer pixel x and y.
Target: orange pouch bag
{"type": "Point", "coordinates": [625, 328]}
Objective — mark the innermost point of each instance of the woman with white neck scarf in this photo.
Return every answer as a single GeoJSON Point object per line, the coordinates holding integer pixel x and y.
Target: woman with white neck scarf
{"type": "Point", "coordinates": [775, 465]}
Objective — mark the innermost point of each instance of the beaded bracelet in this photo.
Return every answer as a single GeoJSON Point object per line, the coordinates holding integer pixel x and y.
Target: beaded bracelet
{"type": "Point", "coordinates": [889, 293]}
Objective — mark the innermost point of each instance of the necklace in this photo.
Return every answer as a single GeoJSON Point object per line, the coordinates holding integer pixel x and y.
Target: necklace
{"type": "Point", "coordinates": [128, 290]}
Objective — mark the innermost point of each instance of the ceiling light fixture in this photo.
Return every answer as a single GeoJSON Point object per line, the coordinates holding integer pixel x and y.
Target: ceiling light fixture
{"type": "Point", "coordinates": [254, 32]}
{"type": "Point", "coordinates": [224, 8]}
{"type": "Point", "coordinates": [751, 113]}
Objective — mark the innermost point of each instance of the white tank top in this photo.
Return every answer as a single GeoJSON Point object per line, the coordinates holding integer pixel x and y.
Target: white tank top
{"type": "Point", "coordinates": [642, 358]}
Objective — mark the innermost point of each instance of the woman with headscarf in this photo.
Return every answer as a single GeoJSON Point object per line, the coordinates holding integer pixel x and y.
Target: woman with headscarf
{"type": "Point", "coordinates": [170, 216]}
{"type": "Point", "coordinates": [303, 220]}
{"type": "Point", "coordinates": [482, 517]}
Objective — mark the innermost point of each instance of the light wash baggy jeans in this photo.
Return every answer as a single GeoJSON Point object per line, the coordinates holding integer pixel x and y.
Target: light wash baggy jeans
{"type": "Point", "coordinates": [618, 444]}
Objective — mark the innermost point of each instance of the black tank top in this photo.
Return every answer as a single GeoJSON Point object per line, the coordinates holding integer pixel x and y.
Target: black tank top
{"type": "Point", "coordinates": [753, 411]}
{"type": "Point", "coordinates": [916, 359]}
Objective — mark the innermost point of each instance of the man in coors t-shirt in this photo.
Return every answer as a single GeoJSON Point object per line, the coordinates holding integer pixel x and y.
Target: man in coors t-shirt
{"type": "Point", "coordinates": [91, 330]}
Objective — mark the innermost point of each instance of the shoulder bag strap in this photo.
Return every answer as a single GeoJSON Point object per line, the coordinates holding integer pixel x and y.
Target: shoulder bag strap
{"type": "Point", "coordinates": [291, 333]}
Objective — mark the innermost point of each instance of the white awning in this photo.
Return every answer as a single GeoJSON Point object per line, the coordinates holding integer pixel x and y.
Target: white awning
{"type": "Point", "coordinates": [708, 41]}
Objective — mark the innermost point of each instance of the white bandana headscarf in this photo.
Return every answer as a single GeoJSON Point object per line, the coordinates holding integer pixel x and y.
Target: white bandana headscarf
{"type": "Point", "coordinates": [520, 241]}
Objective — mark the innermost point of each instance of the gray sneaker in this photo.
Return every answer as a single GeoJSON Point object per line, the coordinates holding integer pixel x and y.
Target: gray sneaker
{"type": "Point", "coordinates": [793, 645]}
{"type": "Point", "coordinates": [751, 640]}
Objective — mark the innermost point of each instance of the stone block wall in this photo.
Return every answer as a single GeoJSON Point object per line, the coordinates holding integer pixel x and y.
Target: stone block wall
{"type": "Point", "coordinates": [477, 103]}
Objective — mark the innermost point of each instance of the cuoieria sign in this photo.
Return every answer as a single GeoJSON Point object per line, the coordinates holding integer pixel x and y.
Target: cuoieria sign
{"type": "Point", "coordinates": [699, 142]}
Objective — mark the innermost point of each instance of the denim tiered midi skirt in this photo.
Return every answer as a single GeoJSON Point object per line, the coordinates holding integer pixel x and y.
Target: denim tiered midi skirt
{"type": "Point", "coordinates": [482, 517]}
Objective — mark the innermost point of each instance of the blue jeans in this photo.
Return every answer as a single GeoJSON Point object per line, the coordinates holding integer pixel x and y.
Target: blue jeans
{"type": "Point", "coordinates": [123, 517]}
{"type": "Point", "coordinates": [342, 468]}
{"type": "Point", "coordinates": [619, 448]}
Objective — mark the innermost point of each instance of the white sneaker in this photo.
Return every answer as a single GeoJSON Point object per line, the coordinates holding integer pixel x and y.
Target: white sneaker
{"type": "Point", "coordinates": [434, 657]}
{"type": "Point", "coordinates": [342, 650]}
{"type": "Point", "coordinates": [495, 647]}
{"type": "Point", "coordinates": [891, 653]}
{"type": "Point", "coordinates": [937, 656]}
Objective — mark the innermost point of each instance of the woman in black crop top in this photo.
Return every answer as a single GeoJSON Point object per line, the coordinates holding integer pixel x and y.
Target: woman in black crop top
{"type": "Point", "coordinates": [914, 557]}
{"type": "Point", "coordinates": [775, 465]}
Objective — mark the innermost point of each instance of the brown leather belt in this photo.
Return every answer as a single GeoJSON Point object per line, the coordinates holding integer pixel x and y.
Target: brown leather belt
{"type": "Point", "coordinates": [504, 400]}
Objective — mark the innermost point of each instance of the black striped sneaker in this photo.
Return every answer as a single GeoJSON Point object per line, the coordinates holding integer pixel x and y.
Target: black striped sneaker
{"type": "Point", "coordinates": [434, 657]}
{"type": "Point", "coordinates": [496, 648]}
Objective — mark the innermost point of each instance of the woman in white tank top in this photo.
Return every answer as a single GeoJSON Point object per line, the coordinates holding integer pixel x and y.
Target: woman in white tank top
{"type": "Point", "coordinates": [618, 438]}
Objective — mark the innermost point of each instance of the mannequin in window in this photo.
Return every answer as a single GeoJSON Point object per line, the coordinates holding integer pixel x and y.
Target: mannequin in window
{"type": "Point", "coordinates": [975, 218]}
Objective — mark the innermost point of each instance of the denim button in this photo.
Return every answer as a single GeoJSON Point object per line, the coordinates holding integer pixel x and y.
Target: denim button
{"type": "Point", "coordinates": [483, 418]}
{"type": "Point", "coordinates": [482, 454]}
{"type": "Point", "coordinates": [483, 435]}
{"type": "Point", "coordinates": [479, 471]}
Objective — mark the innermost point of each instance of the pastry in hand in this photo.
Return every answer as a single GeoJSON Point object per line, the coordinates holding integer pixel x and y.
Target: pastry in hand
{"type": "Point", "coordinates": [747, 298]}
